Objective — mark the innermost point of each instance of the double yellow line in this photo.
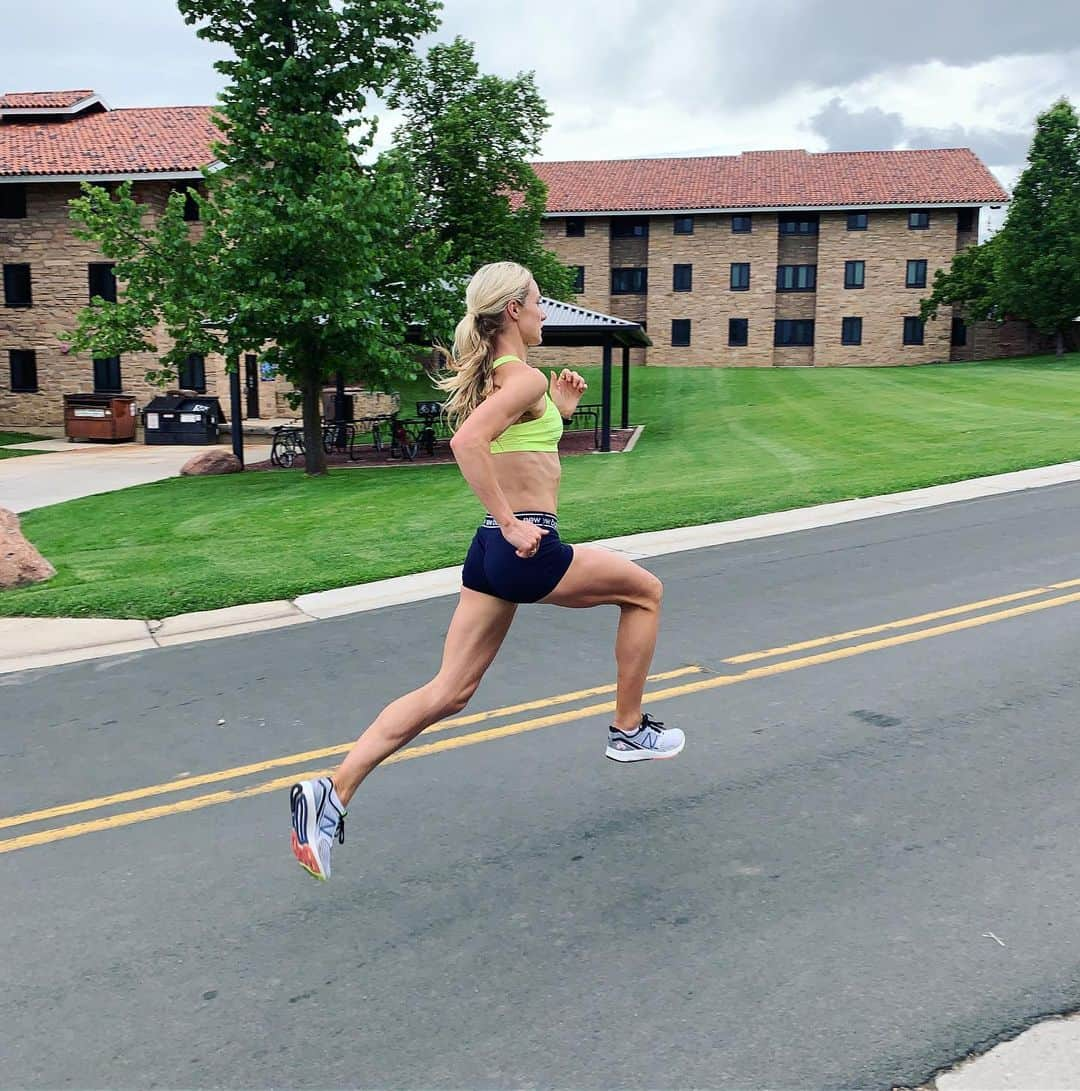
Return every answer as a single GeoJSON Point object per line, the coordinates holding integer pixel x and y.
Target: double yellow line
{"type": "Point", "coordinates": [918, 629]}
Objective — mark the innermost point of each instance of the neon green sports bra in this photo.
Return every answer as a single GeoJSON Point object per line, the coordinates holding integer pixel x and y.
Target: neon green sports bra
{"type": "Point", "coordinates": [541, 434]}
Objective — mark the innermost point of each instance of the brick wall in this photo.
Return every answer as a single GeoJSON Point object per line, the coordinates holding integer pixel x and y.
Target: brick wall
{"type": "Point", "coordinates": [59, 283]}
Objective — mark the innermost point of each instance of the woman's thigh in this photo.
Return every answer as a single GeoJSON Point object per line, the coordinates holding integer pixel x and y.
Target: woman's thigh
{"type": "Point", "coordinates": [477, 630]}
{"type": "Point", "coordinates": [597, 576]}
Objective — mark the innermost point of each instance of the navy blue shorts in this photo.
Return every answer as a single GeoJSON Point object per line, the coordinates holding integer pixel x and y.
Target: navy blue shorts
{"type": "Point", "coordinates": [493, 567]}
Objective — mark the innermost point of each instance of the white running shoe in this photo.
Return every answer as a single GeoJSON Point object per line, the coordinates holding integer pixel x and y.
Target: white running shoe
{"type": "Point", "coordinates": [650, 741]}
{"type": "Point", "coordinates": [317, 819]}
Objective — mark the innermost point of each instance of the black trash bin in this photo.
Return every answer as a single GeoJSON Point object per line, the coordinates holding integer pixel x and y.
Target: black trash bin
{"type": "Point", "coordinates": [183, 419]}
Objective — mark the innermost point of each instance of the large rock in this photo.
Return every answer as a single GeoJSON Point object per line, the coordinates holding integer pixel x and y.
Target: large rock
{"type": "Point", "coordinates": [212, 461]}
{"type": "Point", "coordinates": [20, 562]}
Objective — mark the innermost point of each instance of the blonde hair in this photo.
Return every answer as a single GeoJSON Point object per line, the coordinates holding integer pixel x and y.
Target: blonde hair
{"type": "Point", "coordinates": [469, 379]}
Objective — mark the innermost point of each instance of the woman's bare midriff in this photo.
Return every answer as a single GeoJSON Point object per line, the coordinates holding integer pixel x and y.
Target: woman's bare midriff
{"type": "Point", "coordinates": [529, 479]}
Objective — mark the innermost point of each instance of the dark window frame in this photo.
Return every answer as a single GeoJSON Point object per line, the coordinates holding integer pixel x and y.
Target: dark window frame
{"type": "Point", "coordinates": [579, 279]}
{"type": "Point", "coordinates": [27, 358]}
{"type": "Point", "coordinates": [13, 201]}
{"type": "Point", "coordinates": [914, 330]}
{"type": "Point", "coordinates": [192, 367]}
{"type": "Point", "coordinates": [920, 268]}
{"type": "Point", "coordinates": [642, 280]}
{"type": "Point", "coordinates": [627, 227]}
{"type": "Point", "coordinates": [742, 324]}
{"type": "Point", "coordinates": [809, 224]}
{"type": "Point", "coordinates": [740, 265]}
{"type": "Point", "coordinates": [850, 268]}
{"type": "Point", "coordinates": [791, 326]}
{"type": "Point", "coordinates": [684, 221]}
{"type": "Point", "coordinates": [854, 224]}
{"type": "Point", "coordinates": [958, 333]}
{"type": "Point", "coordinates": [918, 220]}
{"type": "Point", "coordinates": [101, 280]}
{"type": "Point", "coordinates": [803, 278]}
{"type": "Point", "coordinates": [18, 284]}
{"type": "Point", "coordinates": [104, 368]}
{"type": "Point", "coordinates": [683, 327]}
{"type": "Point", "coordinates": [847, 338]}
{"type": "Point", "coordinates": [572, 225]}
{"type": "Point", "coordinates": [965, 219]}
{"type": "Point", "coordinates": [748, 229]}
{"type": "Point", "coordinates": [688, 276]}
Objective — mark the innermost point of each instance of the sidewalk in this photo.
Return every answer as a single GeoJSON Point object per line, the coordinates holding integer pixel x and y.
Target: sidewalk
{"type": "Point", "coordinates": [72, 470]}
{"type": "Point", "coordinates": [1045, 1056]}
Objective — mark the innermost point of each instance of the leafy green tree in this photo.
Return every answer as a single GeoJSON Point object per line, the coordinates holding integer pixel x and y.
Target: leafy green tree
{"type": "Point", "coordinates": [301, 249]}
{"type": "Point", "coordinates": [1038, 259]}
{"type": "Point", "coordinates": [466, 141]}
{"type": "Point", "coordinates": [1031, 268]}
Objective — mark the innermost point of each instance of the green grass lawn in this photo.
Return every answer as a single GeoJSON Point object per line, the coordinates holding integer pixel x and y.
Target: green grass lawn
{"type": "Point", "coordinates": [718, 444]}
{"type": "Point", "coordinates": [7, 438]}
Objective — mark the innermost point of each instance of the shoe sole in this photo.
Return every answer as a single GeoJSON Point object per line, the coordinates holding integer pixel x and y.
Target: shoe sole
{"type": "Point", "coordinates": [302, 806]}
{"type": "Point", "coordinates": [642, 755]}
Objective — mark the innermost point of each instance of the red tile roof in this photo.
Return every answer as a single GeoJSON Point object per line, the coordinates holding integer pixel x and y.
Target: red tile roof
{"type": "Point", "coordinates": [42, 100]}
{"type": "Point", "coordinates": [167, 139]}
{"type": "Point", "coordinates": [774, 179]}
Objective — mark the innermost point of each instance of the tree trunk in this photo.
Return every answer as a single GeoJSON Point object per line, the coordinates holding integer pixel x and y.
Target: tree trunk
{"type": "Point", "coordinates": [314, 456]}
{"type": "Point", "coordinates": [1059, 343]}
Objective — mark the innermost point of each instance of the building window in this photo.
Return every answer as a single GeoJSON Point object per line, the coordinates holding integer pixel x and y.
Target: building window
{"type": "Point", "coordinates": [107, 375]}
{"type": "Point", "coordinates": [740, 276]}
{"type": "Point", "coordinates": [13, 201]}
{"type": "Point", "coordinates": [741, 225]}
{"type": "Point", "coordinates": [918, 221]}
{"type": "Point", "coordinates": [916, 274]}
{"type": "Point", "coordinates": [959, 331]}
{"type": "Point", "coordinates": [682, 225]}
{"type": "Point", "coordinates": [682, 278]}
{"type": "Point", "coordinates": [738, 331]}
{"type": "Point", "coordinates": [851, 331]}
{"type": "Point", "coordinates": [17, 286]}
{"type": "Point", "coordinates": [796, 278]}
{"type": "Point", "coordinates": [629, 281]}
{"type": "Point", "coordinates": [192, 373]}
{"type": "Point", "coordinates": [575, 228]}
{"type": "Point", "coordinates": [579, 278]}
{"type": "Point", "coordinates": [858, 221]}
{"type": "Point", "coordinates": [854, 274]}
{"type": "Point", "coordinates": [965, 219]}
{"type": "Point", "coordinates": [913, 330]}
{"type": "Point", "coordinates": [102, 281]}
{"type": "Point", "coordinates": [805, 224]}
{"type": "Point", "coordinates": [191, 206]}
{"type": "Point", "coordinates": [680, 332]}
{"type": "Point", "coordinates": [628, 227]}
{"type": "Point", "coordinates": [794, 331]}
{"type": "Point", "coordinates": [23, 371]}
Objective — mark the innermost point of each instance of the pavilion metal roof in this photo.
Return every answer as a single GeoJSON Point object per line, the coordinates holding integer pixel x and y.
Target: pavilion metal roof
{"type": "Point", "coordinates": [567, 324]}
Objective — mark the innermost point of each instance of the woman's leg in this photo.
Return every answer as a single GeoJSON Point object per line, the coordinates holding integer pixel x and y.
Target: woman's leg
{"type": "Point", "coordinates": [477, 630]}
{"type": "Point", "coordinates": [597, 577]}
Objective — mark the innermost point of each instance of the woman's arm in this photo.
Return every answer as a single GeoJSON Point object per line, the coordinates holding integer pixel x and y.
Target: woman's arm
{"type": "Point", "coordinates": [521, 386]}
{"type": "Point", "coordinates": [565, 391]}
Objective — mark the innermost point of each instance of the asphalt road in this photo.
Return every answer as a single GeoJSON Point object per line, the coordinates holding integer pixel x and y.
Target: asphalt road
{"type": "Point", "coordinates": [863, 866]}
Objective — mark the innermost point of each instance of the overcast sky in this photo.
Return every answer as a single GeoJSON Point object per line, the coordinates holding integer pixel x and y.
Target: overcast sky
{"type": "Point", "coordinates": [633, 78]}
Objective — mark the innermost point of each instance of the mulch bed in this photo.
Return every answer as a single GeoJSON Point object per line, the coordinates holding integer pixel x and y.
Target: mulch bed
{"type": "Point", "coordinates": [572, 443]}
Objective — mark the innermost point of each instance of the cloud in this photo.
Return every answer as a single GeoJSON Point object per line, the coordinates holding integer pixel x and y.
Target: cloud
{"type": "Point", "coordinates": [844, 129]}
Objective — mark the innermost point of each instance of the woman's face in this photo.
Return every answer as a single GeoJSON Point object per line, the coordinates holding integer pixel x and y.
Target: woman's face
{"type": "Point", "coordinates": [529, 316]}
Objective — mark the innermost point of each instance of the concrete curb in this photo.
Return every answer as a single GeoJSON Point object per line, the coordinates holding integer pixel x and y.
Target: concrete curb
{"type": "Point", "coordinates": [26, 643]}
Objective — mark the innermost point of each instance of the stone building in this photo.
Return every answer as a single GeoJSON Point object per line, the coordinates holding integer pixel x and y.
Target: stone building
{"type": "Point", "coordinates": [49, 143]}
{"type": "Point", "coordinates": [777, 258]}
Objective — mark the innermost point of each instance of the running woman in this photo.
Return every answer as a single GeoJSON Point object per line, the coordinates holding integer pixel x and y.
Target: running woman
{"type": "Point", "coordinates": [508, 419]}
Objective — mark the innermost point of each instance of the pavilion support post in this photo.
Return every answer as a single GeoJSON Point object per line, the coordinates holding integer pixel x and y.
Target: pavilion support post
{"type": "Point", "coordinates": [605, 408]}
{"type": "Point", "coordinates": [626, 386]}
